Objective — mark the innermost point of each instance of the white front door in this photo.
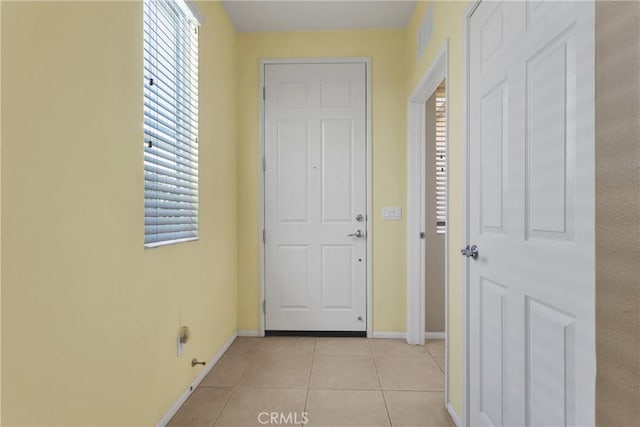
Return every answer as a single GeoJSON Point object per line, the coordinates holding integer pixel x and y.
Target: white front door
{"type": "Point", "coordinates": [531, 214]}
{"type": "Point", "coordinates": [315, 197]}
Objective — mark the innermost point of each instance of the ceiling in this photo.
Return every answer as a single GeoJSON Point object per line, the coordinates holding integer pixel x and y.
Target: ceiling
{"type": "Point", "coordinates": [309, 15]}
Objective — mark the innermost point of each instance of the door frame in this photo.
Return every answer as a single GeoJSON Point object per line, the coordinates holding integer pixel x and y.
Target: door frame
{"type": "Point", "coordinates": [416, 207]}
{"type": "Point", "coordinates": [368, 166]}
{"type": "Point", "coordinates": [466, 185]}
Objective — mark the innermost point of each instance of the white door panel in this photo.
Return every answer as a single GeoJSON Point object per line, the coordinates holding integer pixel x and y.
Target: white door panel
{"type": "Point", "coordinates": [315, 186]}
{"type": "Point", "coordinates": [531, 213]}
{"type": "Point", "coordinates": [292, 152]}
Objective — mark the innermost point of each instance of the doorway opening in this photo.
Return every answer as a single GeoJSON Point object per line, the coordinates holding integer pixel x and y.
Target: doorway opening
{"type": "Point", "coordinates": [435, 227]}
{"type": "Point", "coordinates": [430, 91]}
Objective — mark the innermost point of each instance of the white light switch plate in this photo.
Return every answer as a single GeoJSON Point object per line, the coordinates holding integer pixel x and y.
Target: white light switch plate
{"type": "Point", "coordinates": [393, 213]}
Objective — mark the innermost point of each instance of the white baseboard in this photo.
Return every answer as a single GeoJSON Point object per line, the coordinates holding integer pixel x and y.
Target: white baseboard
{"type": "Point", "coordinates": [248, 333]}
{"type": "Point", "coordinates": [395, 335]}
{"type": "Point", "coordinates": [435, 335]}
{"type": "Point", "coordinates": [183, 397]}
{"type": "Point", "coordinates": [453, 415]}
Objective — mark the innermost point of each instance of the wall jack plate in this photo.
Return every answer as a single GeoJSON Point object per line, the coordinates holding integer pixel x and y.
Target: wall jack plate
{"type": "Point", "coordinates": [180, 346]}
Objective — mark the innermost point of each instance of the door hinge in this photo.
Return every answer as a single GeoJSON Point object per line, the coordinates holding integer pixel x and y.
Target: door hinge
{"type": "Point", "coordinates": [264, 163]}
{"type": "Point", "coordinates": [264, 306]}
{"type": "Point", "coordinates": [422, 234]}
{"type": "Point", "coordinates": [264, 92]}
{"type": "Point", "coordinates": [264, 236]}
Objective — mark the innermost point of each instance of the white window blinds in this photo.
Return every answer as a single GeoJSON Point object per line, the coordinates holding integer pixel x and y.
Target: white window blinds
{"type": "Point", "coordinates": [170, 122]}
{"type": "Point", "coordinates": [441, 159]}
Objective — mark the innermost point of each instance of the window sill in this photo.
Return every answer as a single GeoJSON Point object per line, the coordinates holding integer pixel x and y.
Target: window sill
{"type": "Point", "coordinates": [169, 242]}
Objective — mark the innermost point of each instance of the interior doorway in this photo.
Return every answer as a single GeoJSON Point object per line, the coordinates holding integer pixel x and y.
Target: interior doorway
{"type": "Point", "coordinates": [418, 208]}
{"type": "Point", "coordinates": [435, 226]}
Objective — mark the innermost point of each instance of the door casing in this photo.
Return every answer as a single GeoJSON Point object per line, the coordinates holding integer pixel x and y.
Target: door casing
{"type": "Point", "coordinates": [416, 208]}
{"type": "Point", "coordinates": [369, 211]}
{"type": "Point", "coordinates": [466, 304]}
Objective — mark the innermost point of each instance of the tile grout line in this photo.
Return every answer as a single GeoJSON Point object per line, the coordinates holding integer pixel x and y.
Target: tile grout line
{"type": "Point", "coordinates": [306, 398]}
{"type": "Point", "coordinates": [429, 350]}
{"type": "Point", "coordinates": [226, 403]}
{"type": "Point", "coordinates": [384, 399]}
{"type": "Point", "coordinates": [235, 388]}
{"type": "Point", "coordinates": [435, 359]}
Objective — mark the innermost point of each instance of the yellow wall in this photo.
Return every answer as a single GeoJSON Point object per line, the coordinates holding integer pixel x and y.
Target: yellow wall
{"type": "Point", "coordinates": [386, 50]}
{"type": "Point", "coordinates": [448, 18]}
{"type": "Point", "coordinates": [89, 317]}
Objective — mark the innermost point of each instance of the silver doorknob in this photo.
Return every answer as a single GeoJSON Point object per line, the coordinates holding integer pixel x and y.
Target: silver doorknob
{"type": "Point", "coordinates": [470, 252]}
{"type": "Point", "coordinates": [359, 234]}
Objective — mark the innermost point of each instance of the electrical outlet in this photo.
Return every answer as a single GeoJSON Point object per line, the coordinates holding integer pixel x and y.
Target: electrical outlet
{"type": "Point", "coordinates": [180, 346]}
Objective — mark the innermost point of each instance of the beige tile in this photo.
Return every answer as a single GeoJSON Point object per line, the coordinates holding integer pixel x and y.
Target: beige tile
{"type": "Point", "coordinates": [440, 362]}
{"type": "Point", "coordinates": [202, 408]}
{"type": "Point", "coordinates": [417, 408]}
{"type": "Point", "coordinates": [409, 373]}
{"type": "Point", "coordinates": [343, 346]}
{"type": "Point", "coordinates": [436, 348]}
{"type": "Point", "coordinates": [344, 372]}
{"type": "Point", "coordinates": [247, 404]}
{"type": "Point", "coordinates": [227, 371]}
{"type": "Point", "coordinates": [297, 345]}
{"type": "Point", "coordinates": [278, 370]}
{"type": "Point", "coordinates": [346, 408]}
{"type": "Point", "coordinates": [396, 348]}
{"type": "Point", "coordinates": [245, 346]}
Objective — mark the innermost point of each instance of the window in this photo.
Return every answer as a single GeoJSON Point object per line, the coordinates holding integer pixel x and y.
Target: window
{"type": "Point", "coordinates": [170, 123]}
{"type": "Point", "coordinates": [441, 159]}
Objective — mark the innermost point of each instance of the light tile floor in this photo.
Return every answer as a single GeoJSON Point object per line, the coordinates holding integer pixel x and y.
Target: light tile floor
{"type": "Point", "coordinates": [322, 381]}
